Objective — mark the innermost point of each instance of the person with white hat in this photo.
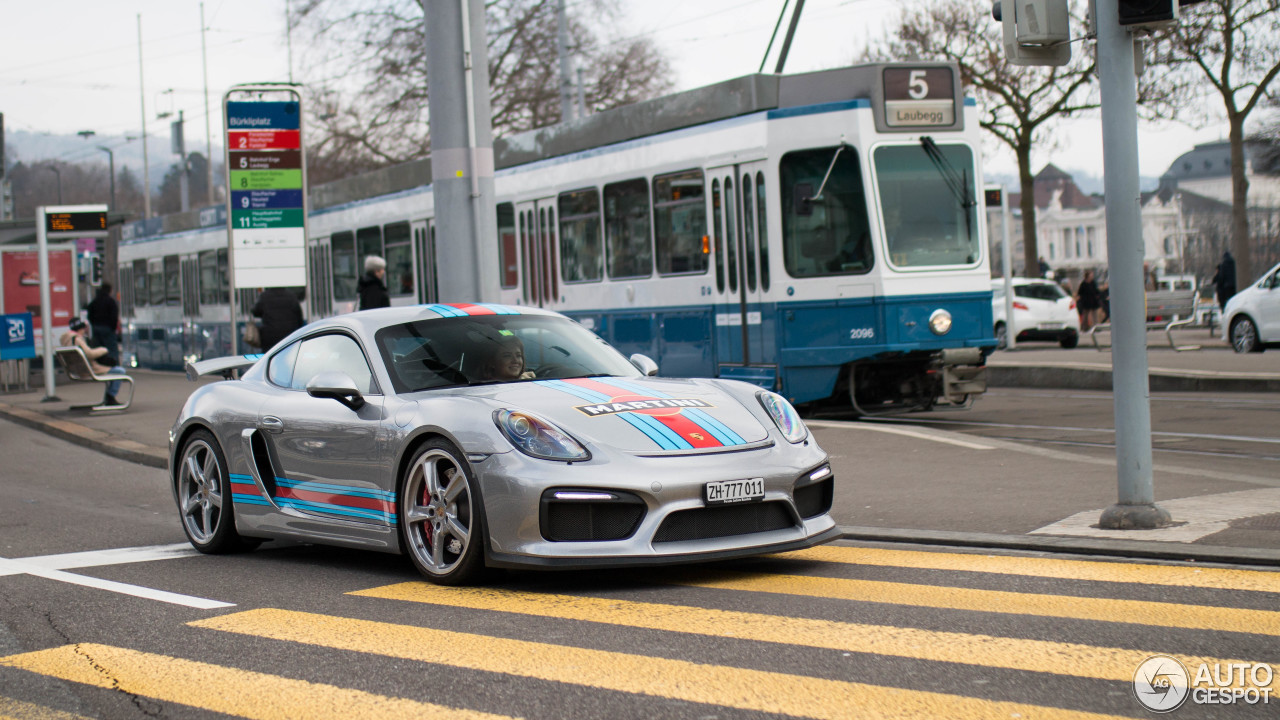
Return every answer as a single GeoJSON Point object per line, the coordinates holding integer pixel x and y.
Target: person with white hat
{"type": "Point", "coordinates": [372, 286]}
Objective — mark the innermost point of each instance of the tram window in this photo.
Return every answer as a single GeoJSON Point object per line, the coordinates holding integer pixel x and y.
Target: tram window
{"type": "Point", "coordinates": [369, 242]}
{"type": "Point", "coordinates": [224, 278]}
{"type": "Point", "coordinates": [208, 277]}
{"type": "Point", "coordinates": [172, 280]}
{"type": "Point", "coordinates": [140, 295]}
{"type": "Point", "coordinates": [749, 234]}
{"type": "Point", "coordinates": [345, 269]}
{"type": "Point", "coordinates": [717, 234]}
{"type": "Point", "coordinates": [524, 255]}
{"type": "Point", "coordinates": [626, 229]}
{"type": "Point", "coordinates": [155, 281]}
{"type": "Point", "coordinates": [679, 222]}
{"type": "Point", "coordinates": [581, 258]}
{"type": "Point", "coordinates": [930, 214]}
{"type": "Point", "coordinates": [510, 266]}
{"type": "Point", "coordinates": [730, 234]}
{"type": "Point", "coordinates": [763, 236]}
{"type": "Point", "coordinates": [399, 258]}
{"type": "Point", "coordinates": [831, 235]}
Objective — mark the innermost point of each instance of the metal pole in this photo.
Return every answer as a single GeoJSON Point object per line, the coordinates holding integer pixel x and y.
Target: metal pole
{"type": "Point", "coordinates": [566, 74]}
{"type": "Point", "coordinates": [461, 146]}
{"type": "Point", "coordinates": [208, 131]}
{"type": "Point", "coordinates": [111, 170]}
{"type": "Point", "coordinates": [791, 33]}
{"type": "Point", "coordinates": [146, 164]}
{"type": "Point", "coordinates": [184, 180]}
{"type": "Point", "coordinates": [46, 307]}
{"type": "Point", "coordinates": [1135, 507]}
{"type": "Point", "coordinates": [1006, 258]}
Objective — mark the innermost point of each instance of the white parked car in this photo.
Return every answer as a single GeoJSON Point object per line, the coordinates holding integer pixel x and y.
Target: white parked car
{"type": "Point", "coordinates": [1251, 320]}
{"type": "Point", "coordinates": [1042, 310]}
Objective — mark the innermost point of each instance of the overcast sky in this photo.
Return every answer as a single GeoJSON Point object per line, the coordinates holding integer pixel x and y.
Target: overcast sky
{"type": "Point", "coordinates": [72, 65]}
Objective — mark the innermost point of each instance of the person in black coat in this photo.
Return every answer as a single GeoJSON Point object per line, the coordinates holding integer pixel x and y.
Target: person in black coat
{"type": "Point", "coordinates": [281, 314]}
{"type": "Point", "coordinates": [372, 285]}
{"type": "Point", "coordinates": [1224, 280]}
{"type": "Point", "coordinates": [104, 320]}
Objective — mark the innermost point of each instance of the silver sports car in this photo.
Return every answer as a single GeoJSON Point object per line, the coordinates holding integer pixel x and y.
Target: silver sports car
{"type": "Point", "coordinates": [474, 436]}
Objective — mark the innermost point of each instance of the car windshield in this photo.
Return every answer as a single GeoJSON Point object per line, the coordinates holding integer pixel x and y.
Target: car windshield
{"type": "Point", "coordinates": [475, 350]}
{"type": "Point", "coordinates": [1040, 291]}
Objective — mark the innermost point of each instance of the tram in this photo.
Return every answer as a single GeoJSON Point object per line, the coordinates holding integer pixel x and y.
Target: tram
{"type": "Point", "coordinates": [817, 234]}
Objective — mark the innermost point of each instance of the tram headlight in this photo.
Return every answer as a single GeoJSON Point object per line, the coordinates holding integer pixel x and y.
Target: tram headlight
{"type": "Point", "coordinates": [940, 322]}
{"type": "Point", "coordinates": [784, 416]}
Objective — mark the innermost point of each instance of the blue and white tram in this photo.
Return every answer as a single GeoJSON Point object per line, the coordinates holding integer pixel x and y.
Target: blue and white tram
{"type": "Point", "coordinates": [817, 234]}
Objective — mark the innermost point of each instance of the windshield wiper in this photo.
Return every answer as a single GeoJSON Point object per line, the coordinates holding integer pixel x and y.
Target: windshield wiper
{"type": "Point", "coordinates": [957, 181]}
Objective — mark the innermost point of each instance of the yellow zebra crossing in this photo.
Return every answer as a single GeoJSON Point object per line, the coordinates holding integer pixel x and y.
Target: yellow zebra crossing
{"type": "Point", "coordinates": [774, 691]}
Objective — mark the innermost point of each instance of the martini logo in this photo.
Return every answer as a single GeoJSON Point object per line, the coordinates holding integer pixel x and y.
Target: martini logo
{"type": "Point", "coordinates": [611, 408]}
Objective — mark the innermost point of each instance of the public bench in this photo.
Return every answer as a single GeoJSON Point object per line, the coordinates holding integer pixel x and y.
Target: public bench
{"type": "Point", "coordinates": [78, 368]}
{"type": "Point", "coordinates": [1166, 310]}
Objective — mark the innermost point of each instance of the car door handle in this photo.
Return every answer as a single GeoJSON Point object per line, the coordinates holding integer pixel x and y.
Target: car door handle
{"type": "Point", "coordinates": [271, 423]}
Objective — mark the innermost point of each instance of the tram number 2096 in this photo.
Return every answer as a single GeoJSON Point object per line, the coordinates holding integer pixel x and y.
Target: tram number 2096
{"type": "Point", "coordinates": [865, 333]}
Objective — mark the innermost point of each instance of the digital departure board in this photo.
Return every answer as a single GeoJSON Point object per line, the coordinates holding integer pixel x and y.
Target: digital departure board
{"type": "Point", "coordinates": [62, 222]}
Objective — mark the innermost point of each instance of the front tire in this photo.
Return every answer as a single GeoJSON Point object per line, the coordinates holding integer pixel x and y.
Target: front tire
{"type": "Point", "coordinates": [204, 497]}
{"type": "Point", "coordinates": [1244, 336]}
{"type": "Point", "coordinates": [441, 518]}
{"type": "Point", "coordinates": [1002, 336]}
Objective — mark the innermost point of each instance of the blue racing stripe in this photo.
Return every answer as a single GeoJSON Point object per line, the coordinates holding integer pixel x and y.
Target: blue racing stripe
{"type": "Point", "coordinates": [672, 436]}
{"type": "Point", "coordinates": [249, 499]}
{"type": "Point", "coordinates": [446, 311]}
{"type": "Point", "coordinates": [583, 393]}
{"type": "Point", "coordinates": [499, 309]}
{"type": "Point", "coordinates": [714, 426]}
{"type": "Point", "coordinates": [335, 489]}
{"type": "Point", "coordinates": [656, 436]}
{"type": "Point", "coordinates": [637, 389]}
{"type": "Point", "coordinates": [336, 510]}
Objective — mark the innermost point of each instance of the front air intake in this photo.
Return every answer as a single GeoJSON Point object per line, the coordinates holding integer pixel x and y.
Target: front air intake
{"type": "Point", "coordinates": [575, 515]}
{"type": "Point", "coordinates": [724, 521]}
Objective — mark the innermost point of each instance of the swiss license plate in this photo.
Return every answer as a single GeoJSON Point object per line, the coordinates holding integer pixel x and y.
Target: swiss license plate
{"type": "Point", "coordinates": [1052, 325]}
{"type": "Point", "coordinates": [724, 492]}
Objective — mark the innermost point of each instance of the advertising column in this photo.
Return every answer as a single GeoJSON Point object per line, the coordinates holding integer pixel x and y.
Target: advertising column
{"type": "Point", "coordinates": [267, 217]}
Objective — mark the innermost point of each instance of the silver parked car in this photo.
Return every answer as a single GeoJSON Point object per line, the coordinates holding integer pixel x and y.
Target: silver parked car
{"type": "Point", "coordinates": [474, 436]}
{"type": "Point", "coordinates": [1251, 319]}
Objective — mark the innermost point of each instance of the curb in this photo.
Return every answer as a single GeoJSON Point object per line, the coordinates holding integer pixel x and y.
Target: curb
{"type": "Point", "coordinates": [1080, 377]}
{"type": "Point", "coordinates": [102, 442]}
{"type": "Point", "coordinates": [1144, 549]}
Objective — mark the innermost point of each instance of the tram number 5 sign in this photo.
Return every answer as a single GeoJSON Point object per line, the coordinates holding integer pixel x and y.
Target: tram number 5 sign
{"type": "Point", "coordinates": [919, 97]}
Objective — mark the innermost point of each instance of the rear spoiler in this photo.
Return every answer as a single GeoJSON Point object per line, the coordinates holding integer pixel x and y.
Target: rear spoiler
{"type": "Point", "coordinates": [227, 367]}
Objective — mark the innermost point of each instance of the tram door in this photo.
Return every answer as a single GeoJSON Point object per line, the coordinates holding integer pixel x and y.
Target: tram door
{"type": "Point", "coordinates": [739, 228]}
{"type": "Point", "coordinates": [424, 249]}
{"type": "Point", "coordinates": [539, 263]}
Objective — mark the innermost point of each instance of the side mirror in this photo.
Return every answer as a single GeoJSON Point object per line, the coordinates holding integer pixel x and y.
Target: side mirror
{"type": "Point", "coordinates": [336, 386]}
{"type": "Point", "coordinates": [644, 364]}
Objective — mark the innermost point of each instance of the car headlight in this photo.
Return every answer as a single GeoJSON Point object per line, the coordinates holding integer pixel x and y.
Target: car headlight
{"type": "Point", "coordinates": [940, 322]}
{"type": "Point", "coordinates": [536, 437]}
{"type": "Point", "coordinates": [784, 416]}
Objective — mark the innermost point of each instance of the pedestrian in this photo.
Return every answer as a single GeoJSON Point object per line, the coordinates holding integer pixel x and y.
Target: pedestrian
{"type": "Point", "coordinates": [99, 361]}
{"type": "Point", "coordinates": [104, 320]}
{"type": "Point", "coordinates": [1224, 280]}
{"type": "Point", "coordinates": [372, 286]}
{"type": "Point", "coordinates": [281, 314]}
{"type": "Point", "coordinates": [1044, 267]}
{"type": "Point", "coordinates": [1088, 301]}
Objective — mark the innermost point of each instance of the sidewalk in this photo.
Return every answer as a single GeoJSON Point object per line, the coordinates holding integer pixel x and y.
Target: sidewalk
{"type": "Point", "coordinates": [996, 494]}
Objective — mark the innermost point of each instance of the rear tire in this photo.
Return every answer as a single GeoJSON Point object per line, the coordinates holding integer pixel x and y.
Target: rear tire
{"type": "Point", "coordinates": [442, 524]}
{"type": "Point", "coordinates": [1070, 341]}
{"type": "Point", "coordinates": [1244, 336]}
{"type": "Point", "coordinates": [1002, 336]}
{"type": "Point", "coordinates": [204, 497]}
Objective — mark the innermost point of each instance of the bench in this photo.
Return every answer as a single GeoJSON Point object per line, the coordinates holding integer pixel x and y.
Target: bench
{"type": "Point", "coordinates": [1166, 309]}
{"type": "Point", "coordinates": [78, 368]}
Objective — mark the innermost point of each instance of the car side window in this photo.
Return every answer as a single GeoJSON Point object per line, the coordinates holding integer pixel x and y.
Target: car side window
{"type": "Point", "coordinates": [280, 368]}
{"type": "Point", "coordinates": [332, 352]}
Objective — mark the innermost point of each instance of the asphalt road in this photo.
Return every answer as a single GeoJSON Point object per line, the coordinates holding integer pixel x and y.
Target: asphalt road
{"type": "Point", "coordinates": [843, 631]}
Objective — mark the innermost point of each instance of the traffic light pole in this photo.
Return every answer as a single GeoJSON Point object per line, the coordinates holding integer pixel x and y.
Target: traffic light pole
{"type": "Point", "coordinates": [1135, 507]}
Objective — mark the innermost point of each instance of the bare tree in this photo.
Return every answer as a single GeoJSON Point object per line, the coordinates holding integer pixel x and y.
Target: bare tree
{"type": "Point", "coordinates": [41, 182]}
{"type": "Point", "coordinates": [370, 76]}
{"type": "Point", "coordinates": [1234, 45]}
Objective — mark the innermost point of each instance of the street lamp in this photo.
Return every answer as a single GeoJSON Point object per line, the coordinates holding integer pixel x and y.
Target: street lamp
{"type": "Point", "coordinates": [57, 172]}
{"type": "Point", "coordinates": [111, 170]}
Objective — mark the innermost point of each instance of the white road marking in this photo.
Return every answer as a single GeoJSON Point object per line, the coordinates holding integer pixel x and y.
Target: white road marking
{"type": "Point", "coordinates": [896, 431]}
{"type": "Point", "coordinates": [1204, 515]}
{"type": "Point", "coordinates": [49, 567]}
{"type": "Point", "coordinates": [1068, 428]}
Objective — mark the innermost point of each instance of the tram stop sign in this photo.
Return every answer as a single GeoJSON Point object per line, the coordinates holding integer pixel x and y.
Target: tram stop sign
{"type": "Point", "coordinates": [265, 174]}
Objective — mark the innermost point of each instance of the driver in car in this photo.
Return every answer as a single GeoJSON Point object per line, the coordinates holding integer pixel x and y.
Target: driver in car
{"type": "Point", "coordinates": [506, 361]}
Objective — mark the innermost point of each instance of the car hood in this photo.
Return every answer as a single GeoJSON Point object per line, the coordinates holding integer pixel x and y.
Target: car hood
{"type": "Point", "coordinates": [640, 415]}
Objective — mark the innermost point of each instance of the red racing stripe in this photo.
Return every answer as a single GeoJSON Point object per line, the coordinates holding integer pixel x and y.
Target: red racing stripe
{"type": "Point", "coordinates": [471, 309]}
{"type": "Point", "coordinates": [351, 501]}
{"type": "Point", "coordinates": [689, 430]}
